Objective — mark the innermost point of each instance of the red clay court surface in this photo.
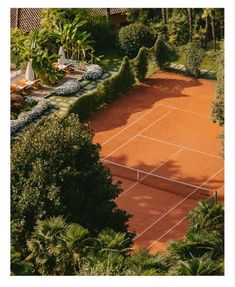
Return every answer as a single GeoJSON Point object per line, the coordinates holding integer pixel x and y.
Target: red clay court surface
{"type": "Point", "coordinates": [162, 127]}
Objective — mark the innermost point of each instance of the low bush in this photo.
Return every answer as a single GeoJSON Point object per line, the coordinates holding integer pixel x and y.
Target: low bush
{"type": "Point", "coordinates": [140, 64]}
{"type": "Point", "coordinates": [133, 37]}
{"type": "Point", "coordinates": [193, 59]}
{"type": "Point", "coordinates": [68, 88]}
{"type": "Point", "coordinates": [92, 72]}
{"type": "Point", "coordinates": [28, 115]}
{"type": "Point", "coordinates": [106, 92]}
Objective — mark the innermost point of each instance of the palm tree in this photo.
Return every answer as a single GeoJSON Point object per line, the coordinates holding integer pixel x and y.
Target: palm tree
{"type": "Point", "coordinates": [190, 22]}
{"type": "Point", "coordinates": [208, 216]}
{"type": "Point", "coordinates": [72, 246]}
{"type": "Point", "coordinates": [198, 266]}
{"type": "Point", "coordinates": [109, 241]}
{"type": "Point", "coordinates": [40, 245]}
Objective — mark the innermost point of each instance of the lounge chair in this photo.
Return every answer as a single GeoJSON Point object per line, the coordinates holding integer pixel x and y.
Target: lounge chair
{"type": "Point", "coordinates": [23, 86]}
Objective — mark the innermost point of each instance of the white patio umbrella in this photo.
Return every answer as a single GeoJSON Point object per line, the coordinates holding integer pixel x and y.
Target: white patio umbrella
{"type": "Point", "coordinates": [62, 58]}
{"type": "Point", "coordinates": [29, 75]}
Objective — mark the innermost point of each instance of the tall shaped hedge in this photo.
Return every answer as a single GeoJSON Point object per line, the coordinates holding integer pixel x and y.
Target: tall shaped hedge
{"type": "Point", "coordinates": [109, 90]}
{"type": "Point", "coordinates": [140, 64]}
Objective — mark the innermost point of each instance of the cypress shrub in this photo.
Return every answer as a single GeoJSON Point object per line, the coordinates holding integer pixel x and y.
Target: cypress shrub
{"type": "Point", "coordinates": [140, 64]}
{"type": "Point", "coordinates": [162, 53]}
{"type": "Point", "coordinates": [193, 57]}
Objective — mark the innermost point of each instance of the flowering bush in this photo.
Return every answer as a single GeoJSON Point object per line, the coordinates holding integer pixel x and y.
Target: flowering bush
{"type": "Point", "coordinates": [68, 88]}
{"type": "Point", "coordinates": [27, 117]}
{"type": "Point", "coordinates": [92, 72]}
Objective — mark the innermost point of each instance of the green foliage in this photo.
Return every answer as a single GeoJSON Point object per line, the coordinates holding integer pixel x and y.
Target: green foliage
{"type": "Point", "coordinates": [218, 103]}
{"type": "Point", "coordinates": [205, 234]}
{"type": "Point", "coordinates": [59, 173]}
{"type": "Point", "coordinates": [133, 37]}
{"type": "Point", "coordinates": [30, 49]}
{"type": "Point", "coordinates": [193, 59]}
{"type": "Point", "coordinates": [85, 105]}
{"type": "Point", "coordinates": [177, 28]}
{"type": "Point", "coordinates": [17, 40]}
{"type": "Point", "coordinates": [19, 266]}
{"type": "Point", "coordinates": [162, 52]}
{"type": "Point", "coordinates": [221, 136]}
{"type": "Point", "coordinates": [59, 248]}
{"type": "Point", "coordinates": [109, 90]}
{"type": "Point", "coordinates": [140, 63]}
{"type": "Point", "coordinates": [198, 267]}
{"type": "Point", "coordinates": [102, 33]}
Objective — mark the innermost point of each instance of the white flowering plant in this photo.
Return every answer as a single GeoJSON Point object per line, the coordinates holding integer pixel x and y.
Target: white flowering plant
{"type": "Point", "coordinates": [68, 88]}
{"type": "Point", "coordinates": [25, 118]}
{"type": "Point", "coordinates": [93, 72]}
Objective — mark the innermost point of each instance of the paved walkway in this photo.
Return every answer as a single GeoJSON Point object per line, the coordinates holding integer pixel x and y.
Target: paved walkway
{"type": "Point", "coordinates": [181, 68]}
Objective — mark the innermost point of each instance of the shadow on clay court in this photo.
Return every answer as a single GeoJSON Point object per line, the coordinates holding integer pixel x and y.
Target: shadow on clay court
{"type": "Point", "coordinates": [141, 97]}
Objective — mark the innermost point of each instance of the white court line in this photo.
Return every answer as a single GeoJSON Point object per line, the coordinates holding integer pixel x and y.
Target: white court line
{"type": "Point", "coordinates": [184, 147]}
{"type": "Point", "coordinates": [138, 134]}
{"type": "Point", "coordinates": [166, 232]}
{"type": "Point", "coordinates": [186, 111]}
{"type": "Point", "coordinates": [146, 229]}
{"type": "Point", "coordinates": [129, 125]}
{"type": "Point", "coordinates": [155, 241]}
{"type": "Point", "coordinates": [178, 151]}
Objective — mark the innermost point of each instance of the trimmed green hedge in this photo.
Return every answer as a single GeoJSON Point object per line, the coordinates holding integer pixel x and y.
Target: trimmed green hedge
{"type": "Point", "coordinates": [106, 92]}
{"type": "Point", "coordinates": [112, 88]}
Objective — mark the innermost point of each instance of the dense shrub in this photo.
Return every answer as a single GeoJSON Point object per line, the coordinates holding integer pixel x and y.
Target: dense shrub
{"type": "Point", "coordinates": [107, 91]}
{"type": "Point", "coordinates": [92, 72]}
{"type": "Point", "coordinates": [33, 108]}
{"type": "Point", "coordinates": [193, 59]}
{"type": "Point", "coordinates": [218, 103]}
{"type": "Point", "coordinates": [140, 63]}
{"type": "Point", "coordinates": [86, 104]}
{"type": "Point", "coordinates": [55, 170]}
{"type": "Point", "coordinates": [68, 88]}
{"type": "Point", "coordinates": [133, 37]}
{"type": "Point", "coordinates": [17, 102]}
{"type": "Point", "coordinates": [102, 33]}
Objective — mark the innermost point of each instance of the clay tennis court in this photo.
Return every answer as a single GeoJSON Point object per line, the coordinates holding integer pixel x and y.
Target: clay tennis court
{"type": "Point", "coordinates": [159, 141]}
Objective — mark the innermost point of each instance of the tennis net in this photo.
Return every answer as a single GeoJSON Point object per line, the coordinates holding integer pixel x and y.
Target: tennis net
{"type": "Point", "coordinates": [159, 182]}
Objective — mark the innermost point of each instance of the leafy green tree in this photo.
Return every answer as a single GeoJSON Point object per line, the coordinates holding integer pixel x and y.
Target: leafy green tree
{"type": "Point", "coordinates": [56, 170]}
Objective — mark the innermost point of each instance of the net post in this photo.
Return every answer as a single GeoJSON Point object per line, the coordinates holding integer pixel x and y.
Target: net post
{"type": "Point", "coordinates": [216, 196]}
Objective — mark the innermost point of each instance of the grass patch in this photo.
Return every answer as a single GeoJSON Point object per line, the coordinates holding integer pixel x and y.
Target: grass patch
{"type": "Point", "coordinates": [209, 61]}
